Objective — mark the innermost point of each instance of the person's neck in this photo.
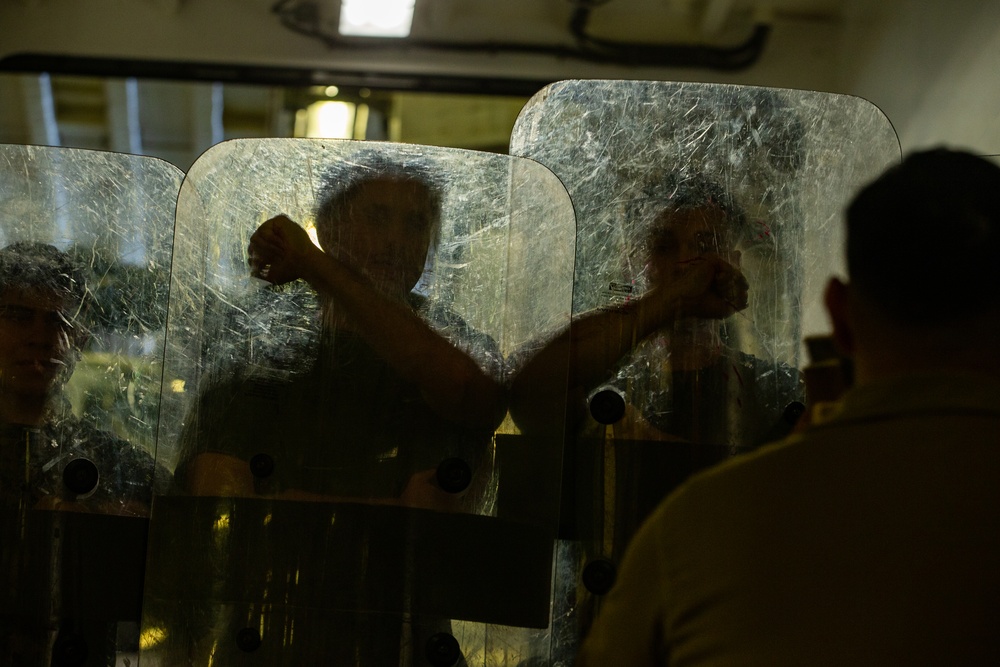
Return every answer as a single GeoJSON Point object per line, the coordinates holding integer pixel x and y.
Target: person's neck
{"type": "Point", "coordinates": [868, 370]}
{"type": "Point", "coordinates": [909, 353]}
{"type": "Point", "coordinates": [884, 347]}
{"type": "Point", "coordinates": [694, 344]}
{"type": "Point", "coordinates": [22, 411]}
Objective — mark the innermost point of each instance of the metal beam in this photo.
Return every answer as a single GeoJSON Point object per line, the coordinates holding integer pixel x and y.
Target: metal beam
{"type": "Point", "coordinates": [124, 124]}
{"type": "Point", "coordinates": [206, 110]}
{"type": "Point", "coordinates": [40, 109]}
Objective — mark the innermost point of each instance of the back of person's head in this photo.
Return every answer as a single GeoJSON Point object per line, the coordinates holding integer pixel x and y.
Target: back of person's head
{"type": "Point", "coordinates": [28, 265]}
{"type": "Point", "coordinates": [923, 240]}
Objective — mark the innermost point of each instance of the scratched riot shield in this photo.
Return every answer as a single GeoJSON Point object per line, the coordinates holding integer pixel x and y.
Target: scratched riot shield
{"type": "Point", "coordinates": [343, 319]}
{"type": "Point", "coordinates": [666, 179]}
{"type": "Point", "coordinates": [85, 244]}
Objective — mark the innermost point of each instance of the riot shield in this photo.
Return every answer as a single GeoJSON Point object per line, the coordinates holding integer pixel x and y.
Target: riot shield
{"type": "Point", "coordinates": [342, 321]}
{"type": "Point", "coordinates": [85, 244]}
{"type": "Point", "coordinates": [665, 177]}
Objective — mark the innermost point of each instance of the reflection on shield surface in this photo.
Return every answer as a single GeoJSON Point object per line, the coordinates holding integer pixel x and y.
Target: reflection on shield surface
{"type": "Point", "coordinates": [757, 177]}
{"type": "Point", "coordinates": [85, 243]}
{"type": "Point", "coordinates": [340, 498]}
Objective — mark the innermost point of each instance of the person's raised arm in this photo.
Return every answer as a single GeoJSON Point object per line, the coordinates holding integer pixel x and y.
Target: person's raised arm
{"type": "Point", "coordinates": [595, 342]}
{"type": "Point", "coordinates": [453, 385]}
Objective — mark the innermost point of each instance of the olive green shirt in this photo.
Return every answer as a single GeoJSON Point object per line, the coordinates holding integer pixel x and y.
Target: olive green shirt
{"type": "Point", "coordinates": [871, 539]}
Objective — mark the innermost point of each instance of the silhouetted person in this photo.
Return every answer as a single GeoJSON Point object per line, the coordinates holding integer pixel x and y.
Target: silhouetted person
{"type": "Point", "coordinates": [400, 393]}
{"type": "Point", "coordinates": [53, 462]}
{"type": "Point", "coordinates": [665, 349]}
{"type": "Point", "coordinates": [871, 537]}
{"type": "Point", "coordinates": [43, 302]}
{"type": "Point", "coordinates": [395, 389]}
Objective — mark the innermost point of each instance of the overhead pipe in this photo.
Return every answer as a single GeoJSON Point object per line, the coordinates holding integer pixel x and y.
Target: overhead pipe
{"type": "Point", "coordinates": [304, 19]}
{"type": "Point", "coordinates": [736, 57]}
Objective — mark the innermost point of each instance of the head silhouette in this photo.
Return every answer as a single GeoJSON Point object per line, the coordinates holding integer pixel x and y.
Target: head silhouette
{"type": "Point", "coordinates": [42, 303]}
{"type": "Point", "coordinates": [382, 219]}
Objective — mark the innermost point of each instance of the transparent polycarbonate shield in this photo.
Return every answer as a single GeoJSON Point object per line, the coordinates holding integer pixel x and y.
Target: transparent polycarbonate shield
{"type": "Point", "coordinates": [791, 159]}
{"type": "Point", "coordinates": [343, 320]}
{"type": "Point", "coordinates": [665, 174]}
{"type": "Point", "coordinates": [85, 245]}
{"type": "Point", "coordinates": [668, 179]}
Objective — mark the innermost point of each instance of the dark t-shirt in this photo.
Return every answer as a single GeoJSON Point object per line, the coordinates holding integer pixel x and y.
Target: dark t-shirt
{"type": "Point", "coordinates": [340, 423]}
{"type": "Point", "coordinates": [348, 426]}
{"type": "Point", "coordinates": [738, 401]}
{"type": "Point", "coordinates": [34, 461]}
{"type": "Point", "coordinates": [677, 423]}
{"type": "Point", "coordinates": [55, 560]}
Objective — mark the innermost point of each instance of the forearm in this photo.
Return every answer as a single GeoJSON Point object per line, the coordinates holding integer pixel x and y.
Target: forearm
{"type": "Point", "coordinates": [584, 355]}
{"type": "Point", "coordinates": [600, 339]}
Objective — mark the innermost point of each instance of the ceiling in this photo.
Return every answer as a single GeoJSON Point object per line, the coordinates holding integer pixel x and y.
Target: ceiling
{"type": "Point", "coordinates": [172, 77]}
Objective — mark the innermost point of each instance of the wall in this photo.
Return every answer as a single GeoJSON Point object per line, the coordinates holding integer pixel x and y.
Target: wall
{"type": "Point", "coordinates": [931, 66]}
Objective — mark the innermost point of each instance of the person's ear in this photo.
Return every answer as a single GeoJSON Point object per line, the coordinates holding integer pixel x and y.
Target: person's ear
{"type": "Point", "coordinates": [837, 301]}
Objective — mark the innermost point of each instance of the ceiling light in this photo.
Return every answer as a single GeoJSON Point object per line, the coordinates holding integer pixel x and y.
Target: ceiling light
{"type": "Point", "coordinates": [376, 18]}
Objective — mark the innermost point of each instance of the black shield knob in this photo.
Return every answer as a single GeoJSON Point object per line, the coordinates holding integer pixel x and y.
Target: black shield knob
{"type": "Point", "coordinates": [793, 411]}
{"type": "Point", "coordinates": [454, 475]}
{"type": "Point", "coordinates": [599, 576]}
{"type": "Point", "coordinates": [262, 466]}
{"type": "Point", "coordinates": [81, 476]}
{"type": "Point", "coordinates": [443, 650]}
{"type": "Point", "coordinates": [248, 640]}
{"type": "Point", "coordinates": [607, 405]}
{"type": "Point", "coordinates": [70, 651]}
